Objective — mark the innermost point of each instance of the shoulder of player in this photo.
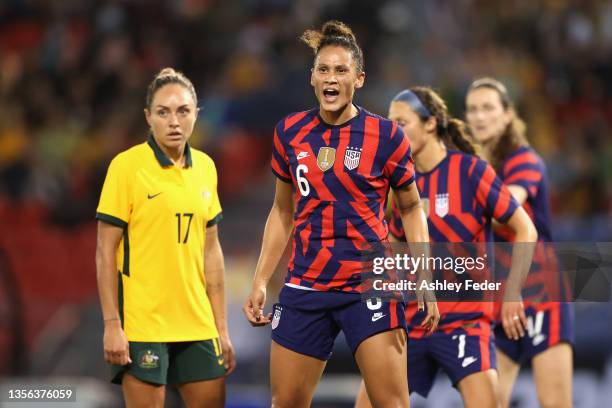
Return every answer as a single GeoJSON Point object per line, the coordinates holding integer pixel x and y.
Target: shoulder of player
{"type": "Point", "coordinates": [200, 157]}
{"type": "Point", "coordinates": [130, 156]}
{"type": "Point", "coordinates": [477, 166]}
{"type": "Point", "coordinates": [386, 127]}
{"type": "Point", "coordinates": [523, 155]}
{"type": "Point", "coordinates": [293, 120]}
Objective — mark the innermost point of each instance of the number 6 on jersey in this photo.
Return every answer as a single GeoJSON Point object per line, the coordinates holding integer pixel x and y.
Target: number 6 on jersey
{"type": "Point", "coordinates": [302, 181]}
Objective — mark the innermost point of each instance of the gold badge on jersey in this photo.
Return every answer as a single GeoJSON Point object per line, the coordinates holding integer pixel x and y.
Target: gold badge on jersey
{"type": "Point", "coordinates": [326, 158]}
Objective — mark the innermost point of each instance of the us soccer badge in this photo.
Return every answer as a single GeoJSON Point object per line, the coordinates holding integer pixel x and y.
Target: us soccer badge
{"type": "Point", "coordinates": [326, 158]}
{"type": "Point", "coordinates": [351, 157]}
{"type": "Point", "coordinates": [277, 315]}
{"type": "Point", "coordinates": [441, 204]}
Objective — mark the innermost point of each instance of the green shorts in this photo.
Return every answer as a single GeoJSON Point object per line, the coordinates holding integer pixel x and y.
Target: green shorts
{"type": "Point", "coordinates": [173, 363]}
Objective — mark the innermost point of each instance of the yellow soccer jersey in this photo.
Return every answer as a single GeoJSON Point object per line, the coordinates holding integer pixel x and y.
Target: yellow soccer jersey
{"type": "Point", "coordinates": [164, 211]}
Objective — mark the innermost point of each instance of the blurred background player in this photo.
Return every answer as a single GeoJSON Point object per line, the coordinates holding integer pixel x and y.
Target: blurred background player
{"type": "Point", "coordinates": [447, 168]}
{"type": "Point", "coordinates": [164, 311]}
{"type": "Point", "coordinates": [501, 133]}
{"type": "Point", "coordinates": [334, 165]}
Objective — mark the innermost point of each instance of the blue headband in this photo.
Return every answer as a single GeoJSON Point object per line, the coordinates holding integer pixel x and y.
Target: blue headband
{"type": "Point", "coordinates": [414, 102]}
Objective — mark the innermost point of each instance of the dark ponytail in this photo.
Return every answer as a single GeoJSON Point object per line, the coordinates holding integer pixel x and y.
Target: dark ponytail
{"type": "Point", "coordinates": [458, 135]}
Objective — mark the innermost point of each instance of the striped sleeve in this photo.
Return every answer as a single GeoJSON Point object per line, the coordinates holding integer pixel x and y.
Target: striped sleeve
{"type": "Point", "coordinates": [399, 166]}
{"type": "Point", "coordinates": [525, 170]}
{"type": "Point", "coordinates": [396, 228]}
{"type": "Point", "coordinates": [491, 193]}
{"type": "Point", "coordinates": [280, 161]}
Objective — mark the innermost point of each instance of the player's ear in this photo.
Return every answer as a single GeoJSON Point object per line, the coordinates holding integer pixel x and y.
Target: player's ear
{"type": "Point", "coordinates": [430, 124]}
{"type": "Point", "coordinates": [147, 114]}
{"type": "Point", "coordinates": [360, 80]}
{"type": "Point", "coordinates": [312, 76]}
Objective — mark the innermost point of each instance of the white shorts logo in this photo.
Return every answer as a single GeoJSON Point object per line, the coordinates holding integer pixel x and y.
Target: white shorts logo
{"type": "Point", "coordinates": [441, 204]}
{"type": "Point", "coordinates": [276, 318]}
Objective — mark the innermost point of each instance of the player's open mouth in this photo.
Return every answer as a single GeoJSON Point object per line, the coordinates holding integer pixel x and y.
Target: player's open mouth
{"type": "Point", "coordinates": [175, 134]}
{"type": "Point", "coordinates": [330, 95]}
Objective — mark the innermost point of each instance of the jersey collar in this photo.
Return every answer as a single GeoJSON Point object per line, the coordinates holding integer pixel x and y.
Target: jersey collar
{"type": "Point", "coordinates": [161, 156]}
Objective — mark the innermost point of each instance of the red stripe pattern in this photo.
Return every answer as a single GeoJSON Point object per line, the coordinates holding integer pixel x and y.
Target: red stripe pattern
{"type": "Point", "coordinates": [341, 176]}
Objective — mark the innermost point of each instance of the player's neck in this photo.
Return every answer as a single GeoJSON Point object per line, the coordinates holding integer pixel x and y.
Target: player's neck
{"type": "Point", "coordinates": [177, 156]}
{"type": "Point", "coordinates": [339, 117]}
{"type": "Point", "coordinates": [430, 156]}
{"type": "Point", "coordinates": [488, 147]}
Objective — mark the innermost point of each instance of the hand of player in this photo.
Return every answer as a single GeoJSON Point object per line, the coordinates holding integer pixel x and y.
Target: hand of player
{"type": "Point", "coordinates": [430, 322]}
{"type": "Point", "coordinates": [253, 308]}
{"type": "Point", "coordinates": [513, 319]}
{"type": "Point", "coordinates": [229, 357]}
{"type": "Point", "coordinates": [116, 345]}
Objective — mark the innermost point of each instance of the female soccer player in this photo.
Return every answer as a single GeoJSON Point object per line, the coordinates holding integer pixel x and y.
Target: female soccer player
{"type": "Point", "coordinates": [164, 311]}
{"type": "Point", "coordinates": [334, 165]}
{"type": "Point", "coordinates": [463, 195]}
{"type": "Point", "coordinates": [495, 125]}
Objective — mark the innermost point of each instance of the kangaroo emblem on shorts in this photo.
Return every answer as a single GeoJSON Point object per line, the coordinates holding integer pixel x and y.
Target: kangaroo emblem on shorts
{"type": "Point", "coordinates": [148, 359]}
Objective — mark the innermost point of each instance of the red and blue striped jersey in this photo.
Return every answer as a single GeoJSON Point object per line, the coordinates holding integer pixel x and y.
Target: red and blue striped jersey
{"type": "Point", "coordinates": [460, 197]}
{"type": "Point", "coordinates": [341, 176]}
{"type": "Point", "coordinates": [525, 168]}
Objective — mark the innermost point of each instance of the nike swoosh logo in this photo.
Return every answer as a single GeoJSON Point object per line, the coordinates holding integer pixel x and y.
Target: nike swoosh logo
{"type": "Point", "coordinates": [375, 318]}
{"type": "Point", "coordinates": [153, 196]}
{"type": "Point", "coordinates": [302, 155]}
{"type": "Point", "coordinates": [467, 361]}
{"type": "Point", "coordinates": [220, 361]}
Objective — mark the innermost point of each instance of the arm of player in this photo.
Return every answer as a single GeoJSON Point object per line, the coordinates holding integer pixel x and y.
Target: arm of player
{"type": "Point", "coordinates": [276, 234]}
{"type": "Point", "coordinates": [414, 222]}
{"type": "Point", "coordinates": [116, 346]}
{"type": "Point", "coordinates": [214, 268]}
{"type": "Point", "coordinates": [520, 195]}
{"type": "Point", "coordinates": [513, 315]}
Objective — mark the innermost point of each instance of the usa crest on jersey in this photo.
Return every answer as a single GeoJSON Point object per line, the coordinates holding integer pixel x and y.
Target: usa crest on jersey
{"type": "Point", "coordinates": [441, 204]}
{"type": "Point", "coordinates": [326, 158]}
{"type": "Point", "coordinates": [351, 157]}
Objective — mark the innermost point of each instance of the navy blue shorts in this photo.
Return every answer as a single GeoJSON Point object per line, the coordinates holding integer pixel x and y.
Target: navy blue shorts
{"type": "Point", "coordinates": [548, 324]}
{"type": "Point", "coordinates": [463, 351]}
{"type": "Point", "coordinates": [308, 322]}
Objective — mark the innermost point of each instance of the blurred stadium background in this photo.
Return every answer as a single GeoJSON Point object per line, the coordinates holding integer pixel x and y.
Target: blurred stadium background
{"type": "Point", "coordinates": [73, 76]}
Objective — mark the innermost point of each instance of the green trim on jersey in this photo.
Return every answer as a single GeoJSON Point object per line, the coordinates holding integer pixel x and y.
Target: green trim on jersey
{"type": "Point", "coordinates": [161, 157]}
{"type": "Point", "coordinates": [109, 219]}
{"type": "Point", "coordinates": [161, 258]}
{"type": "Point", "coordinates": [214, 221]}
{"type": "Point", "coordinates": [126, 253]}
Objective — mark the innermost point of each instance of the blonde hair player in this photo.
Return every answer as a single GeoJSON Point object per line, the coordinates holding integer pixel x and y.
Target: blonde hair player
{"type": "Point", "coordinates": [159, 261]}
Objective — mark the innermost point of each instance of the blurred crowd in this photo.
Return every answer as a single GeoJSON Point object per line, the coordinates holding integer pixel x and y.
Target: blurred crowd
{"type": "Point", "coordinates": [73, 76]}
